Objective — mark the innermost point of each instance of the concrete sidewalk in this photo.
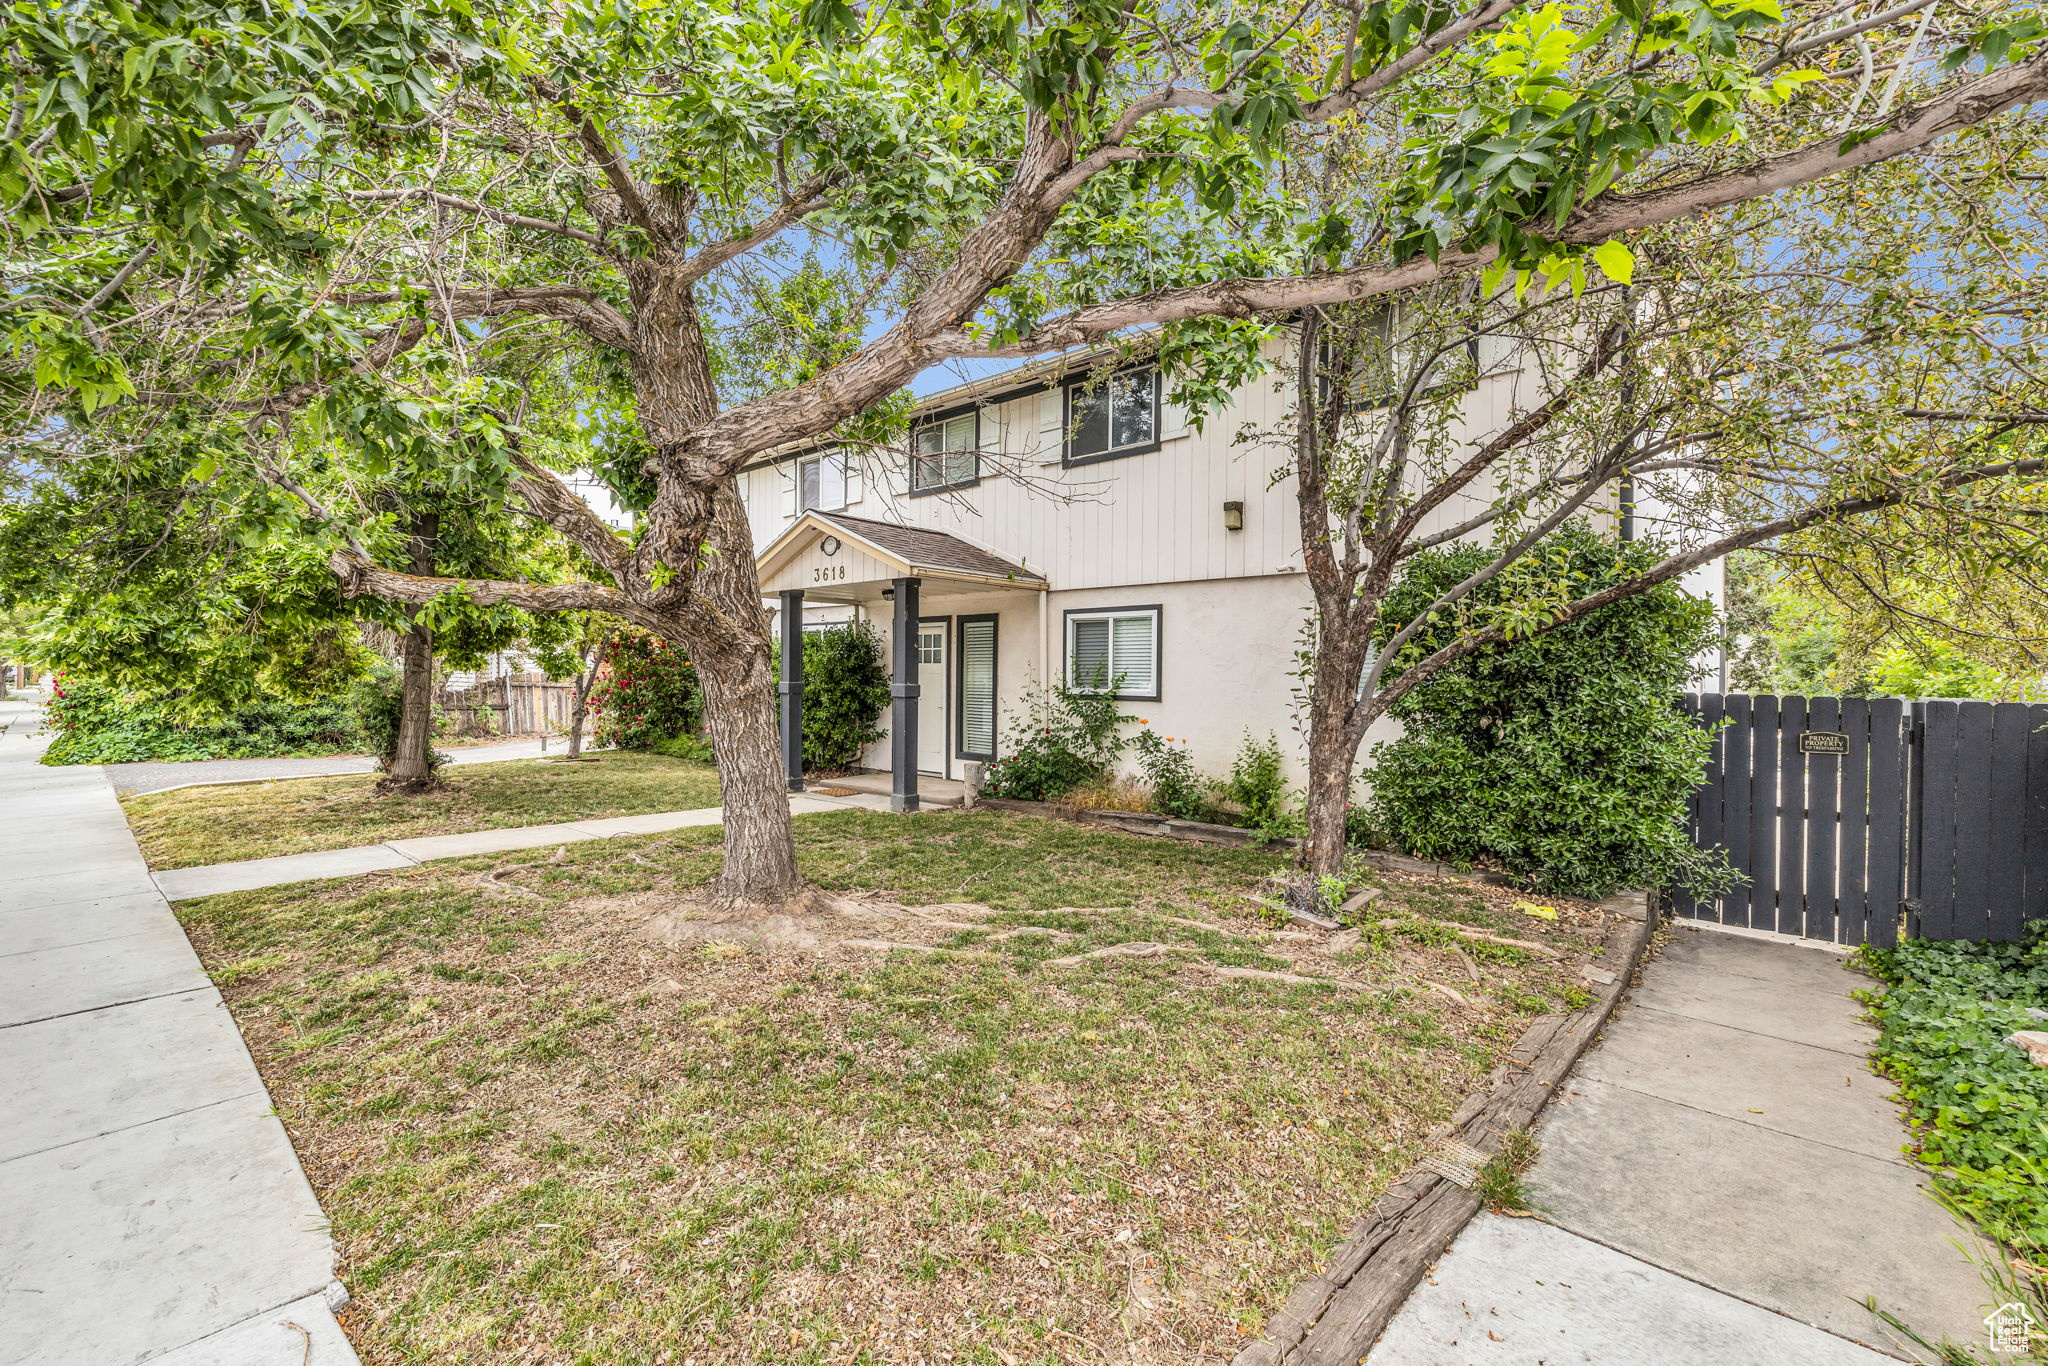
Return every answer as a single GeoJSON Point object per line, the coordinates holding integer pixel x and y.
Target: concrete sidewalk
{"type": "Point", "coordinates": [153, 1207]}
{"type": "Point", "coordinates": [1721, 1181]}
{"type": "Point", "coordinates": [182, 884]}
{"type": "Point", "coordinates": [130, 779]}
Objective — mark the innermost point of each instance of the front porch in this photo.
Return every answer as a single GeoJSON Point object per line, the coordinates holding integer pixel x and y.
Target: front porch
{"type": "Point", "coordinates": [931, 792]}
{"type": "Point", "coordinates": [942, 601]}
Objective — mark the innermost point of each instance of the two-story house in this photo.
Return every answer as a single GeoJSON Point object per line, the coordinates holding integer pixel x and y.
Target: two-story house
{"type": "Point", "coordinates": [1063, 520]}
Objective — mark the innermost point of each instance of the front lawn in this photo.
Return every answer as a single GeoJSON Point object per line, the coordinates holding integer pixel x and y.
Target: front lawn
{"type": "Point", "coordinates": [542, 1137]}
{"type": "Point", "coordinates": [200, 825]}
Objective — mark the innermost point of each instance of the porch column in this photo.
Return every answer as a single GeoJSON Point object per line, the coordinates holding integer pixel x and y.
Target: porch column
{"type": "Point", "coordinates": [903, 689]}
{"type": "Point", "coordinates": [792, 687]}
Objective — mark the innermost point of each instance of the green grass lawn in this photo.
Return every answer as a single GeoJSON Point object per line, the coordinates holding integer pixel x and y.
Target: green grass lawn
{"type": "Point", "coordinates": [202, 825]}
{"type": "Point", "coordinates": [543, 1138]}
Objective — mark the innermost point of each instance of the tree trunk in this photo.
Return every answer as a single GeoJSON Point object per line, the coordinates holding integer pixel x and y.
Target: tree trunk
{"type": "Point", "coordinates": [739, 711]}
{"type": "Point", "coordinates": [581, 711]}
{"type": "Point", "coordinates": [411, 767]}
{"type": "Point", "coordinates": [1333, 739]}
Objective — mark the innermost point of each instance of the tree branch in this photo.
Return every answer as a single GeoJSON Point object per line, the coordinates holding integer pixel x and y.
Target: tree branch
{"type": "Point", "coordinates": [496, 215]}
{"type": "Point", "coordinates": [359, 576]}
{"type": "Point", "coordinates": [1677, 566]}
{"type": "Point", "coordinates": [807, 199]}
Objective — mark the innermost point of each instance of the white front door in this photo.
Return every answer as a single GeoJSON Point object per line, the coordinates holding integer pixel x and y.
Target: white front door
{"type": "Point", "coordinates": [932, 734]}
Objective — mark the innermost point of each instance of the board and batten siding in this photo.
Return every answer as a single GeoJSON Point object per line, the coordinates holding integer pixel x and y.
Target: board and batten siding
{"type": "Point", "coordinates": [1154, 517]}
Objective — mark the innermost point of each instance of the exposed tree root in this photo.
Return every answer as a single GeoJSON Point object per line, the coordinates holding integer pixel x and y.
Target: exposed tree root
{"type": "Point", "coordinates": [1460, 997]}
{"type": "Point", "coordinates": [1022, 930]}
{"type": "Point", "coordinates": [1141, 948]}
{"type": "Point", "coordinates": [1290, 979]}
{"type": "Point", "coordinates": [1526, 945]}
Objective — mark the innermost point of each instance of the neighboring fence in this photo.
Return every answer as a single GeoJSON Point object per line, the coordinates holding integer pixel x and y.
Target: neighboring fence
{"type": "Point", "coordinates": [1845, 813]}
{"type": "Point", "coordinates": [519, 704]}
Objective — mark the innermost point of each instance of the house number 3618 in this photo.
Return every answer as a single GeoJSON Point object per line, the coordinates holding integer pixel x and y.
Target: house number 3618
{"type": "Point", "coordinates": [828, 573]}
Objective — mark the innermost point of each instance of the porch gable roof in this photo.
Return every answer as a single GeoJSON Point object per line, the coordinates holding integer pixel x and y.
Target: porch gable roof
{"type": "Point", "coordinates": [905, 551]}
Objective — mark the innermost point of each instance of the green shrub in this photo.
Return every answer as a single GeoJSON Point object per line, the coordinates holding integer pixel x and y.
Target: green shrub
{"type": "Point", "coordinates": [1560, 757]}
{"type": "Point", "coordinates": [846, 691]}
{"type": "Point", "coordinates": [377, 702]}
{"type": "Point", "coordinates": [97, 724]}
{"type": "Point", "coordinates": [1978, 1107]}
{"type": "Point", "coordinates": [648, 692]}
{"type": "Point", "coordinates": [1170, 772]}
{"type": "Point", "coordinates": [1065, 738]}
{"type": "Point", "coordinates": [1257, 787]}
{"type": "Point", "coordinates": [694, 747]}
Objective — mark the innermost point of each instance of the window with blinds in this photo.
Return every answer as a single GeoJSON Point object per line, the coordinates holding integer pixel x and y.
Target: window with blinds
{"type": "Point", "coordinates": [978, 687]}
{"type": "Point", "coordinates": [946, 455]}
{"type": "Point", "coordinates": [1116, 649]}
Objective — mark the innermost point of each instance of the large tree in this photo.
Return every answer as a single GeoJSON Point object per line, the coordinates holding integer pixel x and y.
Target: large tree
{"type": "Point", "coordinates": [1851, 379]}
{"type": "Point", "coordinates": [232, 225]}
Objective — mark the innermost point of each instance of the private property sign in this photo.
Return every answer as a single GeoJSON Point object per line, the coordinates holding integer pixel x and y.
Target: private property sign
{"type": "Point", "coordinates": [1823, 742]}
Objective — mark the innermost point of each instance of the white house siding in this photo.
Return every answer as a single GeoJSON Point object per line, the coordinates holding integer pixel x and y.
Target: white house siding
{"type": "Point", "coordinates": [1137, 530]}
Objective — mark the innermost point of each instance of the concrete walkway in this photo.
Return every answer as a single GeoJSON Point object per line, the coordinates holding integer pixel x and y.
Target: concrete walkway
{"type": "Point", "coordinates": [182, 884]}
{"type": "Point", "coordinates": [129, 779]}
{"type": "Point", "coordinates": [1721, 1183]}
{"type": "Point", "coordinates": [151, 1207]}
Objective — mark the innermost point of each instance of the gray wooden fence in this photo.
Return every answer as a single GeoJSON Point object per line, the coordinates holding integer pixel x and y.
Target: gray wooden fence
{"type": "Point", "coordinates": [518, 704]}
{"type": "Point", "coordinates": [1853, 817]}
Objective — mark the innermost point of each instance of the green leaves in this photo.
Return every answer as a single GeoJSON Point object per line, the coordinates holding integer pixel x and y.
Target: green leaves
{"type": "Point", "coordinates": [1616, 262]}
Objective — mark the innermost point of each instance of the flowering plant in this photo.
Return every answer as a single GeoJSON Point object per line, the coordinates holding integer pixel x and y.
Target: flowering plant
{"type": "Point", "coordinates": [647, 693]}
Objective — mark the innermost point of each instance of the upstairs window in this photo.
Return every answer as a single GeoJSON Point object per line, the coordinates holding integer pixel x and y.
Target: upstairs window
{"type": "Point", "coordinates": [946, 454]}
{"type": "Point", "coordinates": [1116, 648]}
{"type": "Point", "coordinates": [1381, 358]}
{"type": "Point", "coordinates": [1112, 417]}
{"type": "Point", "coordinates": [821, 483]}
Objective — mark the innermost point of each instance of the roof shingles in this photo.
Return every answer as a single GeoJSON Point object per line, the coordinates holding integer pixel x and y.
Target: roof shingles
{"type": "Point", "coordinates": [929, 549]}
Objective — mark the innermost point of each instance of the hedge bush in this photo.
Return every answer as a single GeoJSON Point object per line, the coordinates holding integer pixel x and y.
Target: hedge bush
{"type": "Point", "coordinates": [98, 724]}
{"type": "Point", "coordinates": [846, 691]}
{"type": "Point", "coordinates": [1560, 757]}
{"type": "Point", "coordinates": [647, 692]}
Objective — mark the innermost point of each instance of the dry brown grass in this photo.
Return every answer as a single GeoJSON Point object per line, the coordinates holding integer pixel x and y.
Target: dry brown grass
{"type": "Point", "coordinates": [543, 1138]}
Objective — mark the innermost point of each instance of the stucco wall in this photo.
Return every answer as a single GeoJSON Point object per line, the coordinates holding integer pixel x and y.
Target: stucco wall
{"type": "Point", "coordinates": [1227, 656]}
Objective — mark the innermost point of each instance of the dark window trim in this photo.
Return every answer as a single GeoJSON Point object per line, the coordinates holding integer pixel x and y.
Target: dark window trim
{"type": "Point", "coordinates": [1158, 645]}
{"type": "Point", "coordinates": [939, 420]}
{"type": "Point", "coordinates": [1068, 459]}
{"type": "Point", "coordinates": [995, 685]}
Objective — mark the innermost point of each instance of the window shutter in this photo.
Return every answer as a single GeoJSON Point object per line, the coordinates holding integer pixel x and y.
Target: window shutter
{"type": "Point", "coordinates": [1089, 665]}
{"type": "Point", "coordinates": [789, 473]}
{"type": "Point", "coordinates": [978, 689]}
{"type": "Point", "coordinates": [852, 476]}
{"type": "Point", "coordinates": [1134, 652]}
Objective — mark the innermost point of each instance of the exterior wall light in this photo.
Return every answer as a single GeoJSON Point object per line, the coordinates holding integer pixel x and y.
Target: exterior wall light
{"type": "Point", "coordinates": [1233, 516]}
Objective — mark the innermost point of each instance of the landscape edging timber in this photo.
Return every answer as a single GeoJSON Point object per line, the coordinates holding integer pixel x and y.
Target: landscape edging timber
{"type": "Point", "coordinates": [1335, 1317]}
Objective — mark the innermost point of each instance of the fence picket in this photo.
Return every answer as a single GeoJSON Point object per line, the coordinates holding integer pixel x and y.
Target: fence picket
{"type": "Point", "coordinates": [1763, 814]}
{"type": "Point", "coordinates": [1886, 854]}
{"type": "Point", "coordinates": [1823, 811]}
{"type": "Point", "coordinates": [1735, 803]}
{"type": "Point", "coordinates": [2005, 869]}
{"type": "Point", "coordinates": [2036, 843]}
{"type": "Point", "coordinates": [1791, 916]}
{"type": "Point", "coordinates": [1851, 902]}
